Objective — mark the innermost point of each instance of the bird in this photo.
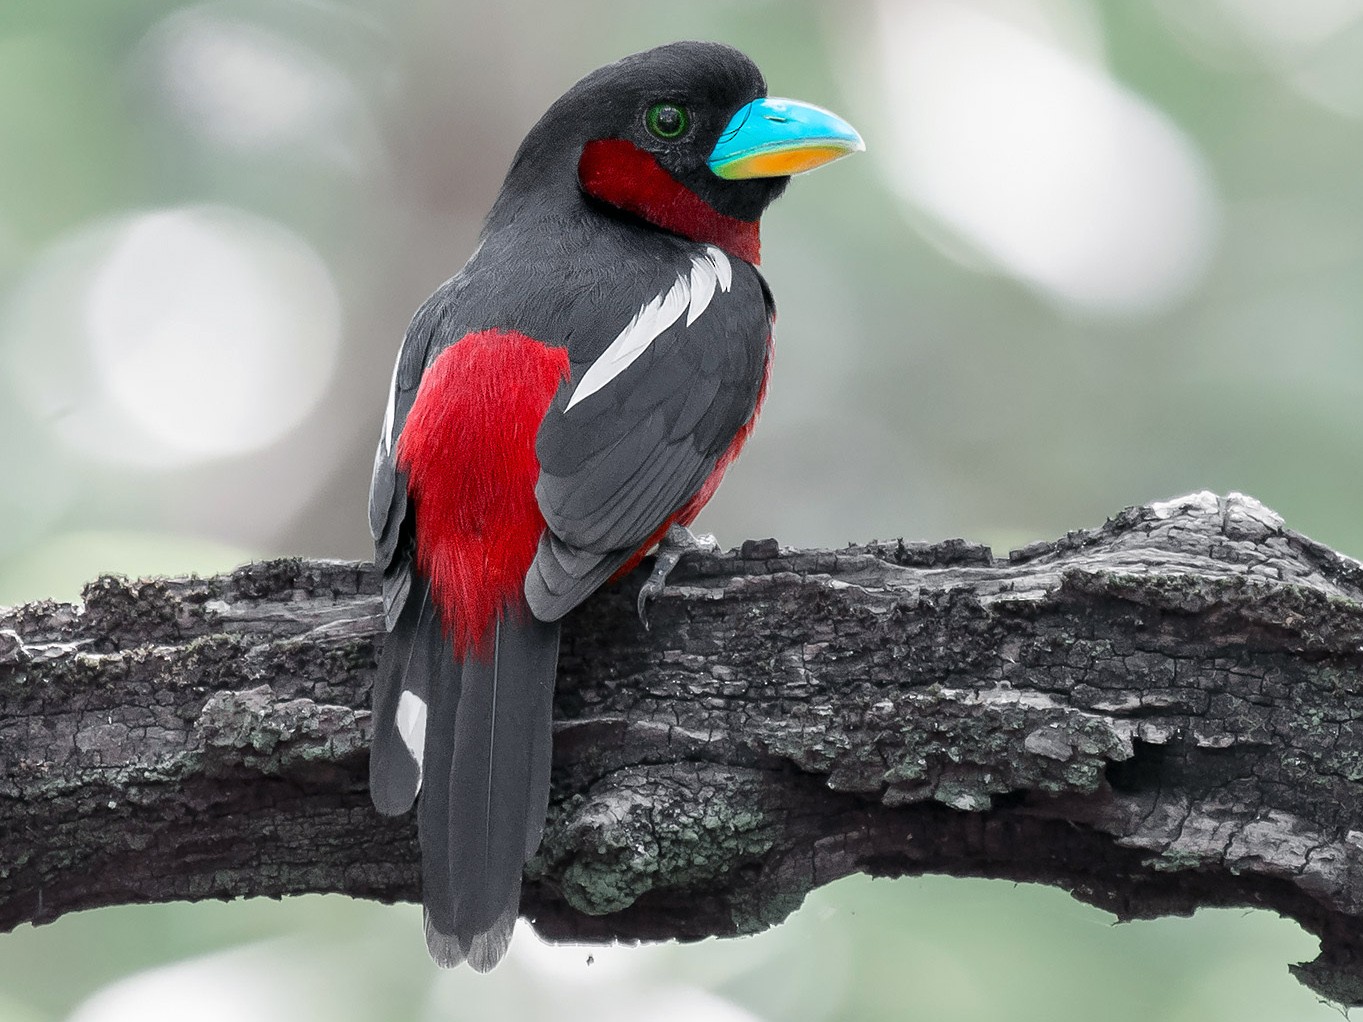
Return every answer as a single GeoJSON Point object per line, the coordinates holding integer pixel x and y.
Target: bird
{"type": "Point", "coordinates": [565, 403]}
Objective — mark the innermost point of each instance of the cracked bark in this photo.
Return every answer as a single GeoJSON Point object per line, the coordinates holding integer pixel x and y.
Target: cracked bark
{"type": "Point", "coordinates": [1156, 715]}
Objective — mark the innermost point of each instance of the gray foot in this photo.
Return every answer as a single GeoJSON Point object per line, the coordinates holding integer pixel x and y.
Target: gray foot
{"type": "Point", "coordinates": [678, 541]}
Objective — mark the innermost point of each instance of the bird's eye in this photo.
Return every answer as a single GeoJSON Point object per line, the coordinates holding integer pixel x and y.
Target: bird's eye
{"type": "Point", "coordinates": [667, 120]}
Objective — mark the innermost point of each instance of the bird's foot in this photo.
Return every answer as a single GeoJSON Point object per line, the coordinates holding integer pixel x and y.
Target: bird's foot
{"type": "Point", "coordinates": [677, 542]}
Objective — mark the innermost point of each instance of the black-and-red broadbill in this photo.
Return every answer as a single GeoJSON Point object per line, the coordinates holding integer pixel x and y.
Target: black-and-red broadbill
{"type": "Point", "coordinates": [578, 388]}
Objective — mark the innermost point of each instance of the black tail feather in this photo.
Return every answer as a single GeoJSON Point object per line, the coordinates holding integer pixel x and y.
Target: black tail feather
{"type": "Point", "coordinates": [486, 791]}
{"type": "Point", "coordinates": [438, 894]}
{"type": "Point", "coordinates": [410, 659]}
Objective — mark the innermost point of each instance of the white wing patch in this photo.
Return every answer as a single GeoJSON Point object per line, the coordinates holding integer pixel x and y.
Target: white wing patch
{"type": "Point", "coordinates": [411, 721]}
{"type": "Point", "coordinates": [691, 294]}
{"type": "Point", "coordinates": [389, 413]}
{"type": "Point", "coordinates": [706, 273]}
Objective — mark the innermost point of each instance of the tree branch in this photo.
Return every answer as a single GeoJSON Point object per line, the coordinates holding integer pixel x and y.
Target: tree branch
{"type": "Point", "coordinates": [1157, 715]}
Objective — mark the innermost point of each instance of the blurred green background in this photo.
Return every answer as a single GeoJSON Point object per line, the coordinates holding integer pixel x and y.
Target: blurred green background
{"type": "Point", "coordinates": [1098, 252]}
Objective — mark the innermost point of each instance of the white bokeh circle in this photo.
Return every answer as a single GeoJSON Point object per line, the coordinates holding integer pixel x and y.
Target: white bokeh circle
{"type": "Point", "coordinates": [214, 330]}
{"type": "Point", "coordinates": [1032, 157]}
{"type": "Point", "coordinates": [174, 336]}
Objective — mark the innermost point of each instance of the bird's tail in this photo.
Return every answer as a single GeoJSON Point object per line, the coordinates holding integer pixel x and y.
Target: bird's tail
{"type": "Point", "coordinates": [415, 662]}
{"type": "Point", "coordinates": [482, 765]}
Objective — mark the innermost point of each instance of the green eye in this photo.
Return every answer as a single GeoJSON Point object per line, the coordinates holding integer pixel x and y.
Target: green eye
{"type": "Point", "coordinates": [667, 120]}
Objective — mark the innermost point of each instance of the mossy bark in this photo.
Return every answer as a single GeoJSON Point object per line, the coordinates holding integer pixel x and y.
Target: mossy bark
{"type": "Point", "coordinates": [1156, 715]}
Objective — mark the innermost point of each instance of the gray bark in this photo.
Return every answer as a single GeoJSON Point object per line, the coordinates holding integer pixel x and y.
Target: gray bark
{"type": "Point", "coordinates": [1160, 714]}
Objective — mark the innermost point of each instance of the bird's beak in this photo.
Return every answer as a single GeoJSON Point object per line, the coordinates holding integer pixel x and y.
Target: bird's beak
{"type": "Point", "coordinates": [777, 137]}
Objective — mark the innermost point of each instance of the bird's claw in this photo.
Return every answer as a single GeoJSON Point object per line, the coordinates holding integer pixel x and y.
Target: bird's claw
{"type": "Point", "coordinates": [650, 590]}
{"type": "Point", "coordinates": [677, 542]}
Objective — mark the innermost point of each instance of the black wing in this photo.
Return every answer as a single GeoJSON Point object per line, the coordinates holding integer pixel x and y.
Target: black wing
{"type": "Point", "coordinates": [415, 657]}
{"type": "Point", "coordinates": [432, 329]}
{"type": "Point", "coordinates": [644, 424]}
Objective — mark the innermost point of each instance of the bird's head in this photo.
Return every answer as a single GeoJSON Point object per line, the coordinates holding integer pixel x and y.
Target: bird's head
{"type": "Point", "coordinates": [683, 137]}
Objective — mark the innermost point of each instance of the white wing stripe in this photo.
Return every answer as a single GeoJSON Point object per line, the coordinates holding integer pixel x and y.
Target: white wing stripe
{"type": "Point", "coordinates": [390, 411]}
{"type": "Point", "coordinates": [723, 270]}
{"type": "Point", "coordinates": [703, 281]}
{"type": "Point", "coordinates": [694, 291]}
{"type": "Point", "coordinates": [411, 721]}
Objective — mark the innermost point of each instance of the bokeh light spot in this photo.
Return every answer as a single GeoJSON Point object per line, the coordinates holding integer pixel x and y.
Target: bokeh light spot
{"type": "Point", "coordinates": [270, 981]}
{"type": "Point", "coordinates": [213, 330]}
{"type": "Point", "coordinates": [241, 85]}
{"type": "Point", "coordinates": [1054, 172]}
{"type": "Point", "coordinates": [167, 338]}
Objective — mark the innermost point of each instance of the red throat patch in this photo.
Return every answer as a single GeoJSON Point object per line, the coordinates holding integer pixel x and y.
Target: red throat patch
{"type": "Point", "coordinates": [620, 173]}
{"type": "Point", "coordinates": [468, 448]}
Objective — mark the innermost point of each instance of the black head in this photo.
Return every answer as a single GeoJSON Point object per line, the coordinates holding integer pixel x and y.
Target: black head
{"type": "Point", "coordinates": [681, 137]}
{"type": "Point", "coordinates": [674, 102]}
{"type": "Point", "coordinates": [671, 103]}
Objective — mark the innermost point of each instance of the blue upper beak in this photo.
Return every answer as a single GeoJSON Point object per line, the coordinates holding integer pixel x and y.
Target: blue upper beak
{"type": "Point", "coordinates": [774, 137]}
